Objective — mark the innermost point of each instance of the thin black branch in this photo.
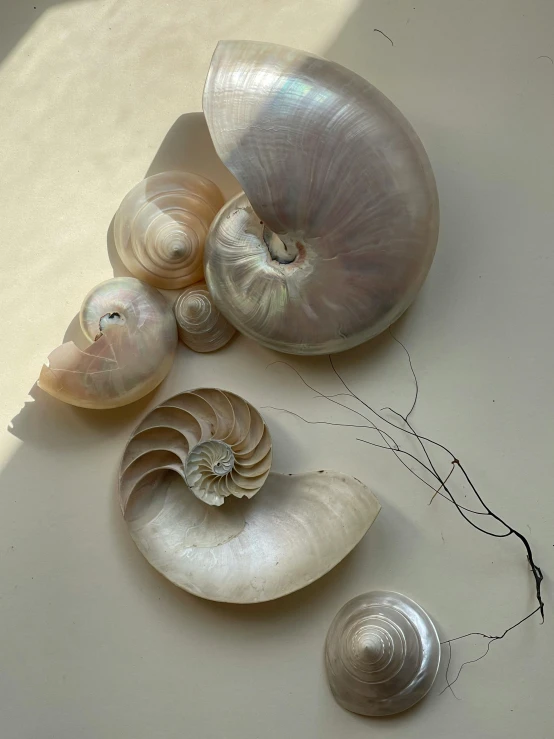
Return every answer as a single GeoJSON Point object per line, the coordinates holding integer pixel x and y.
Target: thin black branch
{"type": "Point", "coordinates": [429, 467]}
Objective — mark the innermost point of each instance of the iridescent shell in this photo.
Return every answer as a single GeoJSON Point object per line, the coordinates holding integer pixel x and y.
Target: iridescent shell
{"type": "Point", "coordinates": [337, 227]}
{"type": "Point", "coordinates": [382, 654]}
{"type": "Point", "coordinates": [133, 337]}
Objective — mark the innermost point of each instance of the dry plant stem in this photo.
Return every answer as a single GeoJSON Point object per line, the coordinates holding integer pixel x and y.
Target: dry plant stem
{"type": "Point", "coordinates": [426, 465]}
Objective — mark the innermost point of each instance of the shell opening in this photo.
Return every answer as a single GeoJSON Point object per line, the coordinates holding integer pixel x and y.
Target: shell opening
{"type": "Point", "coordinates": [111, 319]}
{"type": "Point", "coordinates": [282, 249]}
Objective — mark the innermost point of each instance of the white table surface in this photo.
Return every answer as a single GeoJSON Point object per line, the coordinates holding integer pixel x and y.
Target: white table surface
{"type": "Point", "coordinates": [94, 95]}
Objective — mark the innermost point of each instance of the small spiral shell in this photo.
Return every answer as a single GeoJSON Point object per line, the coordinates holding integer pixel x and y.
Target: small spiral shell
{"type": "Point", "coordinates": [201, 326]}
{"type": "Point", "coordinates": [216, 441]}
{"type": "Point", "coordinates": [134, 338]}
{"type": "Point", "coordinates": [382, 654]}
{"type": "Point", "coordinates": [161, 225]}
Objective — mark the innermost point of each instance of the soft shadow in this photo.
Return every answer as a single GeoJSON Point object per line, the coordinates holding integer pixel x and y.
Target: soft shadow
{"type": "Point", "coordinates": [42, 413]}
{"type": "Point", "coordinates": [17, 18]}
{"type": "Point", "coordinates": [188, 146]}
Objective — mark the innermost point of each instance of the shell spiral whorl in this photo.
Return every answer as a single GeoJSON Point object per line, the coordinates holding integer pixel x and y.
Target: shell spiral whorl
{"type": "Point", "coordinates": [296, 262]}
{"type": "Point", "coordinates": [382, 654]}
{"type": "Point", "coordinates": [201, 326]}
{"type": "Point", "coordinates": [214, 440]}
{"type": "Point", "coordinates": [161, 225]}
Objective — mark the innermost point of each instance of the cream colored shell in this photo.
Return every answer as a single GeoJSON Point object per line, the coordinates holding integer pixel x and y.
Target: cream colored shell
{"type": "Point", "coordinates": [206, 447]}
{"type": "Point", "coordinates": [161, 226]}
{"type": "Point", "coordinates": [201, 326]}
{"type": "Point", "coordinates": [133, 337]}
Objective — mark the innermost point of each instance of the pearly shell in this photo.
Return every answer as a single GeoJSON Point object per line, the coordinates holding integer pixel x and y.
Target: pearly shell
{"type": "Point", "coordinates": [200, 324]}
{"type": "Point", "coordinates": [382, 654]}
{"type": "Point", "coordinates": [207, 446]}
{"type": "Point", "coordinates": [216, 441]}
{"type": "Point", "coordinates": [161, 225]}
{"type": "Point", "coordinates": [338, 225]}
{"type": "Point", "coordinates": [134, 338]}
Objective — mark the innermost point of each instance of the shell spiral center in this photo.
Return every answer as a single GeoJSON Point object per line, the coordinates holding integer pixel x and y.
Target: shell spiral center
{"type": "Point", "coordinates": [207, 460]}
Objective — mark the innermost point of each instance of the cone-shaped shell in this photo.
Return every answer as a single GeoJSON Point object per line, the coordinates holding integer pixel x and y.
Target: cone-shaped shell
{"type": "Point", "coordinates": [134, 338]}
{"type": "Point", "coordinates": [382, 654]}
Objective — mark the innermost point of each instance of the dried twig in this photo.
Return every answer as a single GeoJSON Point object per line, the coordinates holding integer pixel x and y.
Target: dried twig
{"type": "Point", "coordinates": [427, 466]}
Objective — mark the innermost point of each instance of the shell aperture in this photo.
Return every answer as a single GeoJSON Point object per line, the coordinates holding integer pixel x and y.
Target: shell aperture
{"type": "Point", "coordinates": [338, 225]}
{"type": "Point", "coordinates": [134, 338]}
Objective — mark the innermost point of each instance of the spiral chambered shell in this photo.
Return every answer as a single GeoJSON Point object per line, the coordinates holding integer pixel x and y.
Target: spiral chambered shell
{"type": "Point", "coordinates": [201, 326]}
{"type": "Point", "coordinates": [203, 447]}
{"type": "Point", "coordinates": [338, 225]}
{"type": "Point", "coordinates": [382, 654]}
{"type": "Point", "coordinates": [134, 338]}
{"type": "Point", "coordinates": [216, 441]}
{"type": "Point", "coordinates": [161, 225]}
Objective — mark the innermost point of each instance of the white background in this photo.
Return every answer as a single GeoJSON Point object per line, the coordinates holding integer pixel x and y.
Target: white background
{"type": "Point", "coordinates": [93, 96]}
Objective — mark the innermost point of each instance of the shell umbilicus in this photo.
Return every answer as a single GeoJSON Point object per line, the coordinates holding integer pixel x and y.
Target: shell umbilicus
{"type": "Point", "coordinates": [204, 509]}
{"type": "Point", "coordinates": [161, 226]}
{"type": "Point", "coordinates": [338, 223]}
{"type": "Point", "coordinates": [134, 338]}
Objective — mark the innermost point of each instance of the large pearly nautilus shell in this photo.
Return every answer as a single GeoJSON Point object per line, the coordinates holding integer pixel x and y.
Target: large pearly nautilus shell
{"type": "Point", "coordinates": [203, 508]}
{"type": "Point", "coordinates": [382, 654]}
{"type": "Point", "coordinates": [161, 225]}
{"type": "Point", "coordinates": [338, 223]}
{"type": "Point", "coordinates": [133, 337]}
{"type": "Point", "coordinates": [201, 326]}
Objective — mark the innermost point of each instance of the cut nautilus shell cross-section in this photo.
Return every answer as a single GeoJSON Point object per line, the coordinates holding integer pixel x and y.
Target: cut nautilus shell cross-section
{"type": "Point", "coordinates": [203, 508]}
{"type": "Point", "coordinates": [216, 441]}
{"type": "Point", "coordinates": [337, 226]}
{"type": "Point", "coordinates": [161, 226]}
{"type": "Point", "coordinates": [382, 654]}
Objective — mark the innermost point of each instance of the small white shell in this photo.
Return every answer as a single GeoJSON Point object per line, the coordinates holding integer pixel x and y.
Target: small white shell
{"type": "Point", "coordinates": [161, 225]}
{"type": "Point", "coordinates": [204, 447]}
{"type": "Point", "coordinates": [382, 654]}
{"type": "Point", "coordinates": [201, 326]}
{"type": "Point", "coordinates": [134, 338]}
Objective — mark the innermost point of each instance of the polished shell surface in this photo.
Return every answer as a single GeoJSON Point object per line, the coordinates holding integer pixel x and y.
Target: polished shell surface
{"type": "Point", "coordinates": [338, 225]}
{"type": "Point", "coordinates": [161, 226]}
{"type": "Point", "coordinates": [382, 654]}
{"type": "Point", "coordinates": [201, 505]}
{"type": "Point", "coordinates": [133, 335]}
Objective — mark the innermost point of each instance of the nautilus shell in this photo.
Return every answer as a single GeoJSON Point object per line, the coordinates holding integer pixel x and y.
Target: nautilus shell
{"type": "Point", "coordinates": [337, 227]}
{"type": "Point", "coordinates": [133, 337]}
{"type": "Point", "coordinates": [203, 508]}
{"type": "Point", "coordinates": [382, 654]}
{"type": "Point", "coordinates": [161, 225]}
{"type": "Point", "coordinates": [201, 325]}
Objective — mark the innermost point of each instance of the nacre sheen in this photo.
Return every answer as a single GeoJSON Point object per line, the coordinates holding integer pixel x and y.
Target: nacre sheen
{"type": "Point", "coordinates": [337, 227]}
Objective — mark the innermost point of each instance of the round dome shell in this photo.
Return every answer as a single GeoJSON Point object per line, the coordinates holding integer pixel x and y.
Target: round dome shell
{"type": "Point", "coordinates": [382, 654]}
{"type": "Point", "coordinates": [337, 227]}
